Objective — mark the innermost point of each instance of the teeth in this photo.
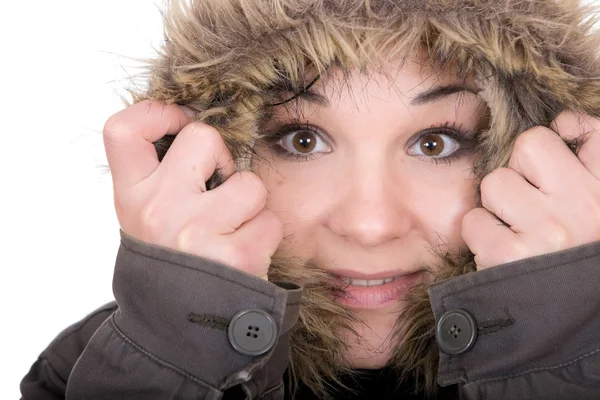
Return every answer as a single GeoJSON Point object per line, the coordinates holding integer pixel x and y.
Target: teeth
{"type": "Point", "coordinates": [364, 282]}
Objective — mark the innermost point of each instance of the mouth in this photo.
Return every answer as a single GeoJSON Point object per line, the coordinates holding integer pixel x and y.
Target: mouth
{"type": "Point", "coordinates": [376, 293]}
{"type": "Point", "coordinates": [367, 283]}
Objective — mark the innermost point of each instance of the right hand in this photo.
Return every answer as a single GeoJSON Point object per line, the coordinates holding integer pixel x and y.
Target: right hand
{"type": "Point", "coordinates": [166, 203]}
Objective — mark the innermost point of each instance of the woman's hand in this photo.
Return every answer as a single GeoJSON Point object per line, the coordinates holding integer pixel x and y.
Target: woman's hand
{"type": "Point", "coordinates": [166, 203]}
{"type": "Point", "coordinates": [548, 198]}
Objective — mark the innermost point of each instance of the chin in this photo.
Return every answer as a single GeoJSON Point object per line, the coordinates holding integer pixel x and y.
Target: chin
{"type": "Point", "coordinates": [373, 345]}
{"type": "Point", "coordinates": [362, 359]}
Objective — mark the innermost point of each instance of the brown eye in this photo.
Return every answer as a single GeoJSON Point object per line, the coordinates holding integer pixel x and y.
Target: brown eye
{"type": "Point", "coordinates": [304, 142]}
{"type": "Point", "coordinates": [432, 145]}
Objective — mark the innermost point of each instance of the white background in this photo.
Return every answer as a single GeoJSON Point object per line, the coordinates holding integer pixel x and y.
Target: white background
{"type": "Point", "coordinates": [62, 65]}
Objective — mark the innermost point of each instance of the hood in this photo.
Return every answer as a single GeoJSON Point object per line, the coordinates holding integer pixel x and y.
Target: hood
{"type": "Point", "coordinates": [229, 59]}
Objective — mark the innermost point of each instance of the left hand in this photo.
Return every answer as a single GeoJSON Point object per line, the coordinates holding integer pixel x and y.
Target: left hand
{"type": "Point", "coordinates": [548, 197]}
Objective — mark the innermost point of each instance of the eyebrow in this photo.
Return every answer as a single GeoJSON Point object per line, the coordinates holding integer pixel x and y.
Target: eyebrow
{"type": "Point", "coordinates": [308, 95]}
{"type": "Point", "coordinates": [311, 96]}
{"type": "Point", "coordinates": [439, 92]}
{"type": "Point", "coordinates": [428, 96]}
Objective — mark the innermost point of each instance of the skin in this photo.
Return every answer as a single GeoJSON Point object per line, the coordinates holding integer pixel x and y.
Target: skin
{"type": "Point", "coordinates": [366, 201]}
{"type": "Point", "coordinates": [548, 197]}
{"type": "Point", "coordinates": [369, 203]}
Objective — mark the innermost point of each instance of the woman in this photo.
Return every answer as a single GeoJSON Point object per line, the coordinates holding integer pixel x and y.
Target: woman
{"type": "Point", "coordinates": [334, 163]}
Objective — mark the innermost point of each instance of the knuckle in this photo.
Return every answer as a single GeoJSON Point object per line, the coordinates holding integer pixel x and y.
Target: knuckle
{"type": "Point", "coordinates": [530, 141]}
{"type": "Point", "coordinates": [205, 133]}
{"type": "Point", "coordinates": [473, 218]}
{"type": "Point", "coordinates": [467, 220]}
{"type": "Point", "coordinates": [494, 183]}
{"type": "Point", "coordinates": [116, 126]}
{"type": "Point", "coordinates": [488, 186]}
{"type": "Point", "coordinates": [558, 236]}
{"type": "Point", "coordinates": [235, 256]}
{"type": "Point", "coordinates": [253, 186]}
{"type": "Point", "coordinates": [187, 238]}
{"type": "Point", "coordinates": [152, 222]}
{"type": "Point", "coordinates": [274, 229]}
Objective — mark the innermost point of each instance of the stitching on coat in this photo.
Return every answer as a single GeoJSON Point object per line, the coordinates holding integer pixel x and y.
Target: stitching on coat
{"type": "Point", "coordinates": [527, 272]}
{"type": "Point", "coordinates": [209, 321]}
{"type": "Point", "coordinates": [495, 325]}
{"type": "Point", "coordinates": [539, 369]}
{"type": "Point", "coordinates": [156, 359]}
{"type": "Point", "coordinates": [268, 295]}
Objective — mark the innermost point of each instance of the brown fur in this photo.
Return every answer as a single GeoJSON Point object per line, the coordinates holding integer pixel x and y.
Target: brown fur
{"type": "Point", "coordinates": [316, 348]}
{"type": "Point", "coordinates": [230, 59]}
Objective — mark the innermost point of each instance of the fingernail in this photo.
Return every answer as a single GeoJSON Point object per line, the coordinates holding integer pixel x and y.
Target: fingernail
{"type": "Point", "coordinates": [188, 111]}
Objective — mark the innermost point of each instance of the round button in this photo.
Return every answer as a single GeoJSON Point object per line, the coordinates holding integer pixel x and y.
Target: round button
{"type": "Point", "coordinates": [252, 332]}
{"type": "Point", "coordinates": [456, 332]}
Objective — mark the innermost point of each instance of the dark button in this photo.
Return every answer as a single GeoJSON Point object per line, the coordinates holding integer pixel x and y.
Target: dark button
{"type": "Point", "coordinates": [252, 332]}
{"type": "Point", "coordinates": [456, 332]}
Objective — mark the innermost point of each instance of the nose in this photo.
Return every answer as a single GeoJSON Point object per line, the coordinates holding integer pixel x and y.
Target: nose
{"type": "Point", "coordinates": [372, 206]}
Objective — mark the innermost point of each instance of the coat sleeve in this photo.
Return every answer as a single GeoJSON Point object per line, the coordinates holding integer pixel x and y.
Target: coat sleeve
{"type": "Point", "coordinates": [47, 378]}
{"type": "Point", "coordinates": [185, 328]}
{"type": "Point", "coordinates": [536, 328]}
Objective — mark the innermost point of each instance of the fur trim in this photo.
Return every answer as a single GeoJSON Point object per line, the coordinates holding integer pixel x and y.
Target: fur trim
{"type": "Point", "coordinates": [316, 347]}
{"type": "Point", "coordinates": [230, 59]}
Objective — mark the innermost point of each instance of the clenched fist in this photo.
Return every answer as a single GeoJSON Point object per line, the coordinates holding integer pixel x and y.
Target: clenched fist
{"type": "Point", "coordinates": [548, 197]}
{"type": "Point", "coordinates": [166, 203]}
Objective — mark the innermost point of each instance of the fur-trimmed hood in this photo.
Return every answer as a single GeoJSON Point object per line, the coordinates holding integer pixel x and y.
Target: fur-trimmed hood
{"type": "Point", "coordinates": [230, 59]}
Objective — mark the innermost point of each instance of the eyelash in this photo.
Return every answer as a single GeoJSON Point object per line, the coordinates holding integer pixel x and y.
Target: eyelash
{"type": "Point", "coordinates": [273, 139]}
{"type": "Point", "coordinates": [464, 137]}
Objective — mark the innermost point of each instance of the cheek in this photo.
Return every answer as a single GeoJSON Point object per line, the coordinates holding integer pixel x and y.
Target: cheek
{"type": "Point", "coordinates": [297, 201]}
{"type": "Point", "coordinates": [442, 206]}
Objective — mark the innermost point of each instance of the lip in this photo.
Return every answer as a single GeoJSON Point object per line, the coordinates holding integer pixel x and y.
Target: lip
{"type": "Point", "coordinates": [373, 297]}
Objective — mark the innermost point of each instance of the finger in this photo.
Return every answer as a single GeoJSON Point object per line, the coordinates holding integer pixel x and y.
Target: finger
{"type": "Point", "coordinates": [542, 157]}
{"type": "Point", "coordinates": [262, 236]}
{"type": "Point", "coordinates": [238, 199]}
{"type": "Point", "coordinates": [584, 128]}
{"type": "Point", "coordinates": [506, 194]}
{"type": "Point", "coordinates": [197, 151]}
{"type": "Point", "coordinates": [129, 134]}
{"type": "Point", "coordinates": [489, 240]}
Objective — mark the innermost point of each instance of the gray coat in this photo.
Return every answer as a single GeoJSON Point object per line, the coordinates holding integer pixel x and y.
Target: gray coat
{"type": "Point", "coordinates": [188, 328]}
{"type": "Point", "coordinates": [178, 329]}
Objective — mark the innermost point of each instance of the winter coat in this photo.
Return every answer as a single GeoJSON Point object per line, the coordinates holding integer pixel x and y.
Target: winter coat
{"type": "Point", "coordinates": [537, 323]}
{"type": "Point", "coordinates": [188, 328]}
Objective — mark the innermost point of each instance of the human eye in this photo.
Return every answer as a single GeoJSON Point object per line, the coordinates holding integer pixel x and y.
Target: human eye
{"type": "Point", "coordinates": [446, 142]}
{"type": "Point", "coordinates": [298, 142]}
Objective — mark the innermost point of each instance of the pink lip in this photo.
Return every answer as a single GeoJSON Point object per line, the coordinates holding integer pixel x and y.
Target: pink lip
{"type": "Point", "coordinates": [379, 296]}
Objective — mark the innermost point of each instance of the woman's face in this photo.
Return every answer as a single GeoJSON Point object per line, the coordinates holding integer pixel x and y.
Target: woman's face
{"type": "Point", "coordinates": [369, 173]}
